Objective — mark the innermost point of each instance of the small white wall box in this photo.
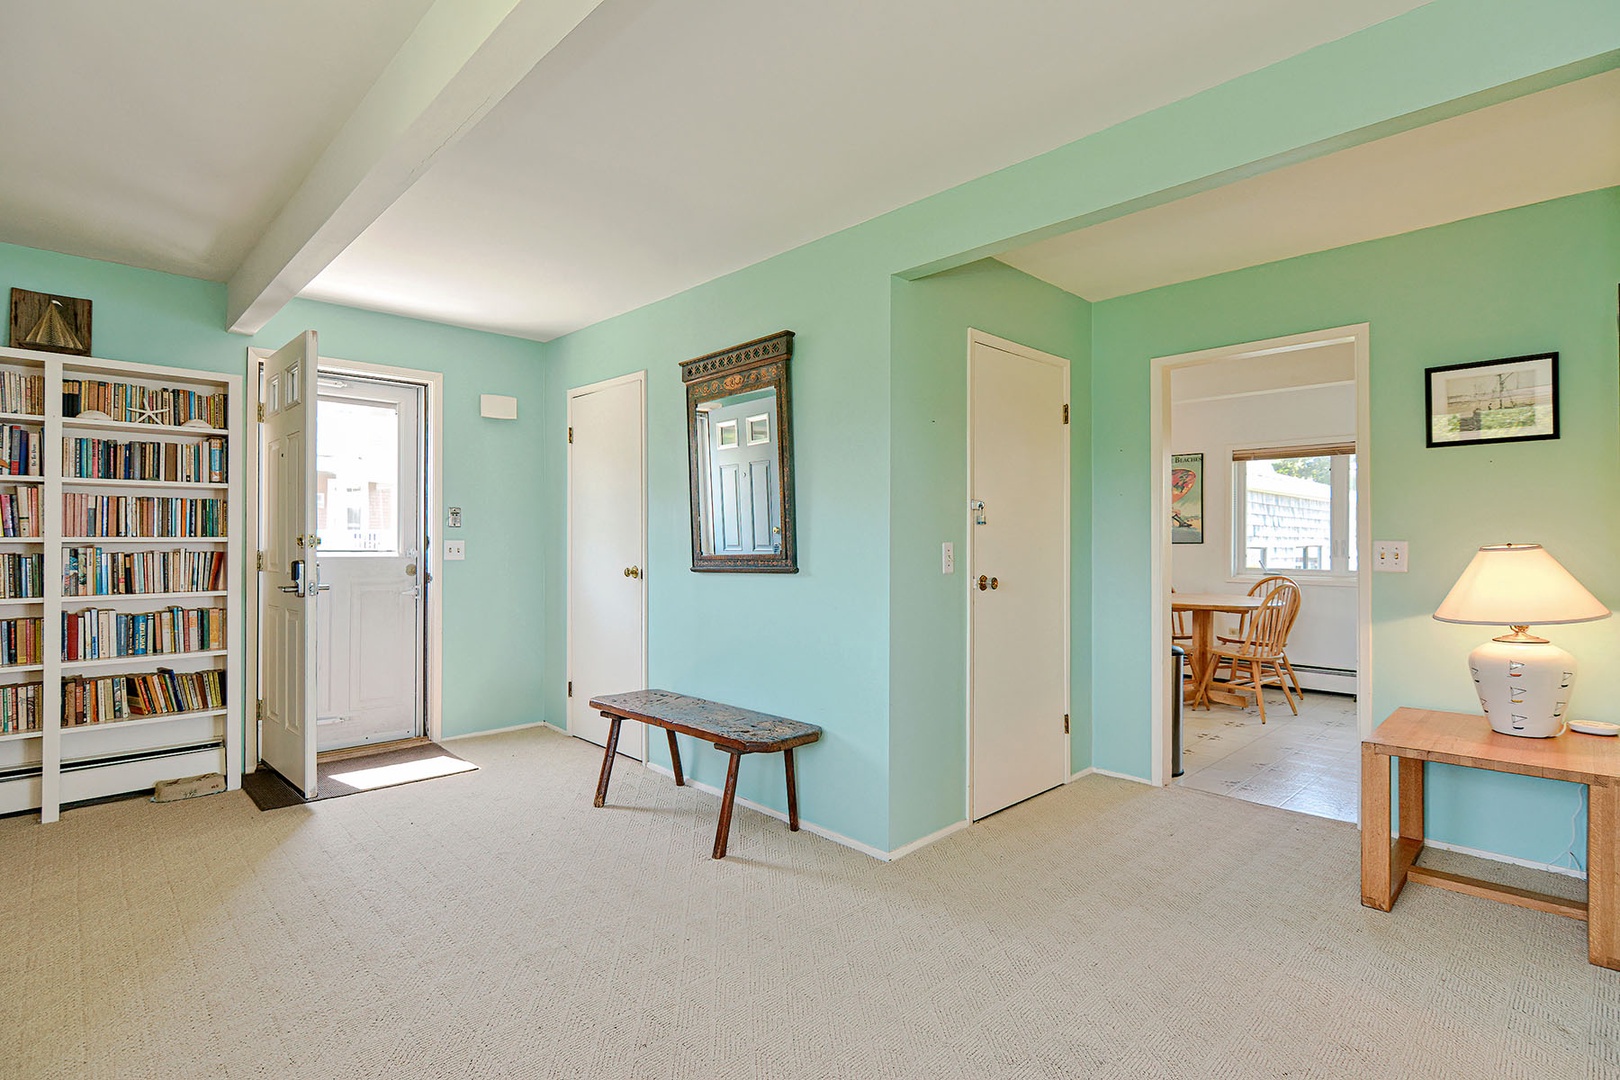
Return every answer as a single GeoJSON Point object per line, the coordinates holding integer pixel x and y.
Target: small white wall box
{"type": "Point", "coordinates": [497, 407]}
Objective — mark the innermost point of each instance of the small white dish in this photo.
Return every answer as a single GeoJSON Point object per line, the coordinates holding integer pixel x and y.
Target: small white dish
{"type": "Point", "coordinates": [1594, 727]}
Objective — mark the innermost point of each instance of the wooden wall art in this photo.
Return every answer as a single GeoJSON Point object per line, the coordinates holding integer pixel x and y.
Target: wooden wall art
{"type": "Point", "coordinates": [59, 324]}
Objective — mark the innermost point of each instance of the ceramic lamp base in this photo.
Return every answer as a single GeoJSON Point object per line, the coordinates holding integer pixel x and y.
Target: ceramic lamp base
{"type": "Point", "coordinates": [1523, 687]}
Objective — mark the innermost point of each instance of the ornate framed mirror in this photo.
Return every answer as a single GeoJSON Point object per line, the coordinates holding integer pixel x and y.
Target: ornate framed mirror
{"type": "Point", "coordinates": [739, 427]}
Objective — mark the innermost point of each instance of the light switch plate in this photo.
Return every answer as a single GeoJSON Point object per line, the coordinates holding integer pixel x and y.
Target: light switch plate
{"type": "Point", "coordinates": [455, 549]}
{"type": "Point", "coordinates": [947, 558]}
{"type": "Point", "coordinates": [1389, 556]}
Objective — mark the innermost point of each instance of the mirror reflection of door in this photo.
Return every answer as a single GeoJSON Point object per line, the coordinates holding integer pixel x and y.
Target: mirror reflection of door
{"type": "Point", "coordinates": [369, 517]}
{"type": "Point", "coordinates": [740, 481]}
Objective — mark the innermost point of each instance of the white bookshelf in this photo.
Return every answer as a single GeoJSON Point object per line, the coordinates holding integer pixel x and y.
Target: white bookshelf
{"type": "Point", "coordinates": [56, 765]}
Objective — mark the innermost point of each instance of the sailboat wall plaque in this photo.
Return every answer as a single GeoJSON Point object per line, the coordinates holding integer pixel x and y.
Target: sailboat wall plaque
{"type": "Point", "coordinates": [59, 324]}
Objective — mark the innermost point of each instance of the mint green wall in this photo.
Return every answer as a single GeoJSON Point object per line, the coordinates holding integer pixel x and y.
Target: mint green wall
{"type": "Point", "coordinates": [822, 657]}
{"type": "Point", "coordinates": [492, 627]}
{"type": "Point", "coordinates": [1537, 278]}
{"type": "Point", "coordinates": [928, 492]}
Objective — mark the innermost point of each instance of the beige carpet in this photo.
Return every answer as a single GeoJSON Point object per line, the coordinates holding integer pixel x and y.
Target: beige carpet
{"type": "Point", "coordinates": [495, 925]}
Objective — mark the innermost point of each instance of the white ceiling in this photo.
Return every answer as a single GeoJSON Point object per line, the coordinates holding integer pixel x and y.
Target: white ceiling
{"type": "Point", "coordinates": [167, 133]}
{"type": "Point", "coordinates": [668, 142]}
{"type": "Point", "coordinates": [1542, 146]}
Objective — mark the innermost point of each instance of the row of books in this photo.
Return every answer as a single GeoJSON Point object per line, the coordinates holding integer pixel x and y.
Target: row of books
{"type": "Point", "coordinates": [21, 641]}
{"type": "Point", "coordinates": [20, 393]}
{"type": "Point", "coordinates": [96, 633]}
{"type": "Point", "coordinates": [112, 459]}
{"type": "Point", "coordinates": [111, 698]}
{"type": "Point", "coordinates": [21, 576]}
{"type": "Point", "coordinates": [19, 450]}
{"type": "Point", "coordinates": [19, 510]}
{"type": "Point", "coordinates": [20, 707]}
{"type": "Point", "coordinates": [98, 571]}
{"type": "Point", "coordinates": [84, 514]}
{"type": "Point", "coordinates": [136, 404]}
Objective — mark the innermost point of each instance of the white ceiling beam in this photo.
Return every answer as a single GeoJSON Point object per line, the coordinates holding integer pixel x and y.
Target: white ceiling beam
{"type": "Point", "coordinates": [462, 59]}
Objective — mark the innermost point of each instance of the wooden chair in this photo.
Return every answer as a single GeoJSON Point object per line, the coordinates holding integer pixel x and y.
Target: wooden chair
{"type": "Point", "coordinates": [1261, 647]}
{"type": "Point", "coordinates": [1180, 632]}
{"type": "Point", "coordinates": [1265, 585]}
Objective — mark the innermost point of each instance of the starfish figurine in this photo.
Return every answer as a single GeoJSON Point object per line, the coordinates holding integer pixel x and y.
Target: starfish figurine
{"type": "Point", "coordinates": [146, 416]}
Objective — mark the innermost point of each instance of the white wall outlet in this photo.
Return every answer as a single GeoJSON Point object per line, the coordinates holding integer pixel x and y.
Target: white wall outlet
{"type": "Point", "coordinates": [1389, 556]}
{"type": "Point", "coordinates": [455, 549]}
{"type": "Point", "coordinates": [455, 517]}
{"type": "Point", "coordinates": [947, 558]}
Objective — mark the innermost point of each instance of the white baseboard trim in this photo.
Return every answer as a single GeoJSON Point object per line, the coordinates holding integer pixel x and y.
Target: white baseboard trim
{"type": "Point", "coordinates": [1492, 856]}
{"type": "Point", "coordinates": [494, 731]}
{"type": "Point", "coordinates": [906, 849]}
{"type": "Point", "coordinates": [804, 826]}
{"type": "Point", "coordinates": [1094, 771]}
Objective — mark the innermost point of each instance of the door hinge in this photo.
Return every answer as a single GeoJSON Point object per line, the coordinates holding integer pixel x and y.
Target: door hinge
{"type": "Point", "coordinates": [1065, 414]}
{"type": "Point", "coordinates": [261, 412]}
{"type": "Point", "coordinates": [570, 435]}
{"type": "Point", "coordinates": [259, 710]}
{"type": "Point", "coordinates": [570, 687]}
{"type": "Point", "coordinates": [261, 560]}
{"type": "Point", "coordinates": [1065, 723]}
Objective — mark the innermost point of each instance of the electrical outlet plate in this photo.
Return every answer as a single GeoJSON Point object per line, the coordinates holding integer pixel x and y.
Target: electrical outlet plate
{"type": "Point", "coordinates": [1389, 556]}
{"type": "Point", "coordinates": [455, 549]}
{"type": "Point", "coordinates": [455, 517]}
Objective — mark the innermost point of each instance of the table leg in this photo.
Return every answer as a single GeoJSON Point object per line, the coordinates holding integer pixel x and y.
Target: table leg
{"type": "Point", "coordinates": [723, 833]}
{"type": "Point", "coordinates": [675, 757]}
{"type": "Point", "coordinates": [1412, 811]}
{"type": "Point", "coordinates": [1603, 873]}
{"type": "Point", "coordinates": [607, 758]}
{"type": "Point", "coordinates": [1203, 646]}
{"type": "Point", "coordinates": [1376, 864]}
{"type": "Point", "coordinates": [792, 791]}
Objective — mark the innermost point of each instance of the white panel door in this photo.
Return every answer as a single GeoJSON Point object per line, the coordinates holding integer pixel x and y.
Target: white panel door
{"type": "Point", "coordinates": [369, 517]}
{"type": "Point", "coordinates": [607, 528]}
{"type": "Point", "coordinates": [1019, 662]}
{"type": "Point", "coordinates": [287, 534]}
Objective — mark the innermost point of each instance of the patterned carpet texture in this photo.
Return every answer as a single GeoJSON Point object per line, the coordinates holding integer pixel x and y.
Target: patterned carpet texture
{"type": "Point", "coordinates": [494, 924]}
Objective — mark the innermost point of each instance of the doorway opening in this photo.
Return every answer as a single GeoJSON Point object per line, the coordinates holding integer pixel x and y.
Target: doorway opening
{"type": "Point", "coordinates": [373, 477]}
{"type": "Point", "coordinates": [1261, 549]}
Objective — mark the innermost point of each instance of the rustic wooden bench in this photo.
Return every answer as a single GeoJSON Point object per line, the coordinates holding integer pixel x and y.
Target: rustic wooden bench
{"type": "Point", "coordinates": [736, 731]}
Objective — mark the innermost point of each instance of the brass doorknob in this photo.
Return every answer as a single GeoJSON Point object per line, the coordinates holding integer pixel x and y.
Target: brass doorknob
{"type": "Point", "coordinates": [987, 583]}
{"type": "Point", "coordinates": [632, 571]}
{"type": "Point", "coordinates": [994, 583]}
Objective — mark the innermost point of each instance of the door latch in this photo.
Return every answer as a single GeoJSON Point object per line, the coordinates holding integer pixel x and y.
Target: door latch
{"type": "Point", "coordinates": [296, 568]}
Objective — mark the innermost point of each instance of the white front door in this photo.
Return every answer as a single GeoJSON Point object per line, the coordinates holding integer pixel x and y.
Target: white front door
{"type": "Point", "coordinates": [287, 535]}
{"type": "Point", "coordinates": [369, 517]}
{"type": "Point", "coordinates": [607, 530]}
{"type": "Point", "coordinates": [1019, 662]}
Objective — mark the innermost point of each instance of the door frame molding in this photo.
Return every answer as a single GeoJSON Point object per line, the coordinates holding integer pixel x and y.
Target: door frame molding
{"type": "Point", "coordinates": [979, 337]}
{"type": "Point", "coordinates": [640, 379]}
{"type": "Point", "coordinates": [432, 383]}
{"type": "Point", "coordinates": [1159, 549]}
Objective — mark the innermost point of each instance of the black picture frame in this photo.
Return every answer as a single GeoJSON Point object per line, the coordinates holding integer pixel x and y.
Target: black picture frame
{"type": "Point", "coordinates": [1524, 386]}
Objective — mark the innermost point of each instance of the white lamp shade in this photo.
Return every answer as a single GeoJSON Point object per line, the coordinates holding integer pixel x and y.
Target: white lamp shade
{"type": "Point", "coordinates": [1518, 585]}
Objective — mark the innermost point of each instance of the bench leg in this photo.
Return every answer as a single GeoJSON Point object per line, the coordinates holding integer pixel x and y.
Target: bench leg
{"type": "Point", "coordinates": [723, 833]}
{"type": "Point", "coordinates": [675, 758]}
{"type": "Point", "coordinates": [793, 790]}
{"type": "Point", "coordinates": [607, 758]}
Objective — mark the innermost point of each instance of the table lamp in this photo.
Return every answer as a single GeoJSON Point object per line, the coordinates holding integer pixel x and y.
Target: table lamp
{"type": "Point", "coordinates": [1523, 681]}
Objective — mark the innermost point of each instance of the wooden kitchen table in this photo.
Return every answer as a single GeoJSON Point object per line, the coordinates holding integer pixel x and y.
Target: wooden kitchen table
{"type": "Point", "coordinates": [1414, 736]}
{"type": "Point", "coordinates": [1202, 607]}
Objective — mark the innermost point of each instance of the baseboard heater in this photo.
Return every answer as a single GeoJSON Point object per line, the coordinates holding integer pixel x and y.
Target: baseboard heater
{"type": "Point", "coordinates": [76, 764]}
{"type": "Point", "coordinates": [1317, 669]}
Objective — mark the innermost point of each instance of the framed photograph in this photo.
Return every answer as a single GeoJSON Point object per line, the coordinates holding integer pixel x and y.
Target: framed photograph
{"type": "Point", "coordinates": [59, 324]}
{"type": "Point", "coordinates": [1187, 498]}
{"type": "Point", "coordinates": [1493, 401]}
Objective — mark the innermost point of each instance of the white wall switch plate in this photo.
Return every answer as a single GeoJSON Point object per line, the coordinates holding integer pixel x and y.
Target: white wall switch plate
{"type": "Point", "coordinates": [455, 549]}
{"type": "Point", "coordinates": [947, 558]}
{"type": "Point", "coordinates": [1389, 556]}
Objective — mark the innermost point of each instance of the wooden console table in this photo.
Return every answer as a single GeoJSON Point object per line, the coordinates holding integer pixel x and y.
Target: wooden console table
{"type": "Point", "coordinates": [1413, 736]}
{"type": "Point", "coordinates": [736, 731]}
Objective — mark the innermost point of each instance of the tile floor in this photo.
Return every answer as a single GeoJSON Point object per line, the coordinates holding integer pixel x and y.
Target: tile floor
{"type": "Point", "coordinates": [1310, 763]}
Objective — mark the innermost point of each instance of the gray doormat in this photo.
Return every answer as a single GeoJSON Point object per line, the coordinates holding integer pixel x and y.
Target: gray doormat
{"type": "Point", "coordinates": [351, 775]}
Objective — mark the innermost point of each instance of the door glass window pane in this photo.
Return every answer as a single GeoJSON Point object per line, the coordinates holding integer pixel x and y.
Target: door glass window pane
{"type": "Point", "coordinates": [1288, 514]}
{"type": "Point", "coordinates": [357, 474]}
{"type": "Point", "coordinates": [1350, 526]}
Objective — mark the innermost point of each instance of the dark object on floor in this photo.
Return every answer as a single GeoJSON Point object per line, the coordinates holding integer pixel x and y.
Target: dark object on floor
{"type": "Point", "coordinates": [736, 731]}
{"type": "Point", "coordinates": [351, 774]}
